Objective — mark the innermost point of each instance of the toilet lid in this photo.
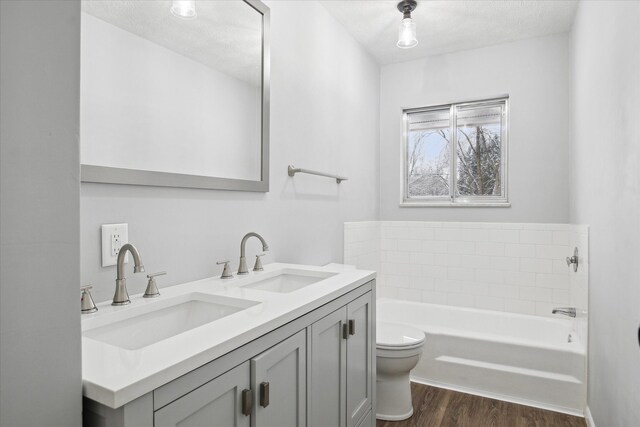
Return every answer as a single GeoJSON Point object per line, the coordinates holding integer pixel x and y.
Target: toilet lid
{"type": "Point", "coordinates": [397, 335]}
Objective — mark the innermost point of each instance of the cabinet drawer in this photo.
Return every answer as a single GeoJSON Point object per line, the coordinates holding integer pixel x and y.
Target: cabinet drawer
{"type": "Point", "coordinates": [216, 403]}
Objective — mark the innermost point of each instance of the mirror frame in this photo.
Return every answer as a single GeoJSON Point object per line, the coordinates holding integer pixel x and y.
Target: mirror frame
{"type": "Point", "coordinates": [113, 175]}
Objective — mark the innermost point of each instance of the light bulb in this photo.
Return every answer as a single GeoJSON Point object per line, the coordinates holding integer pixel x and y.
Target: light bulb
{"type": "Point", "coordinates": [185, 9]}
{"type": "Point", "coordinates": [407, 34]}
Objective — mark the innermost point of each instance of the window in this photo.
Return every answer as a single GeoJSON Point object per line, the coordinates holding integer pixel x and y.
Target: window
{"type": "Point", "coordinates": [456, 154]}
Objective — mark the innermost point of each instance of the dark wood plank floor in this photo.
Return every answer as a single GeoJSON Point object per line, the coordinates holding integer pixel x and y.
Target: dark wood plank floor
{"type": "Point", "coordinates": [438, 407]}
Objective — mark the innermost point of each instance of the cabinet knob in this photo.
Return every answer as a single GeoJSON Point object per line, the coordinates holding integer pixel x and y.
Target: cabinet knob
{"type": "Point", "coordinates": [264, 394]}
{"type": "Point", "coordinates": [247, 402]}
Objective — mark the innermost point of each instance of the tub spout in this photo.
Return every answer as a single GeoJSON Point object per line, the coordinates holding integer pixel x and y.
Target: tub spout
{"type": "Point", "coordinates": [567, 311]}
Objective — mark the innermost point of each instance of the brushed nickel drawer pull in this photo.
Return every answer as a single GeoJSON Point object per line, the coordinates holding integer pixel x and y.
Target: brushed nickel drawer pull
{"type": "Point", "coordinates": [247, 402]}
{"type": "Point", "coordinates": [264, 394]}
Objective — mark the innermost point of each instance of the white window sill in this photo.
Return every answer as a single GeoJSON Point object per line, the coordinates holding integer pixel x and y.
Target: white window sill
{"type": "Point", "coordinates": [455, 205]}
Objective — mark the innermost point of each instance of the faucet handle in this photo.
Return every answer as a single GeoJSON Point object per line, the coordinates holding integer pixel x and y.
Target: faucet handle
{"type": "Point", "coordinates": [152, 289]}
{"type": "Point", "coordinates": [86, 300]}
{"type": "Point", "coordinates": [226, 272]}
{"type": "Point", "coordinates": [258, 265]}
{"type": "Point", "coordinates": [160, 273]}
{"type": "Point", "coordinates": [573, 260]}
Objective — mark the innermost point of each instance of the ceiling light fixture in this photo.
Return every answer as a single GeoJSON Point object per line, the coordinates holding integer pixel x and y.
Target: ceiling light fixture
{"type": "Point", "coordinates": [407, 31]}
{"type": "Point", "coordinates": [185, 9]}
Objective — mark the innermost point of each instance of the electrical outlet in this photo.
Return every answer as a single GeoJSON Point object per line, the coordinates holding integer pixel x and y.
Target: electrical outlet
{"type": "Point", "coordinates": [115, 244]}
{"type": "Point", "coordinates": [114, 236]}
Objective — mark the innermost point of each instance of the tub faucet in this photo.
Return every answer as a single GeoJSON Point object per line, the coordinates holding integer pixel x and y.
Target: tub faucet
{"type": "Point", "coordinates": [121, 296]}
{"type": "Point", "coordinates": [567, 311]}
{"type": "Point", "coordinates": [242, 268]}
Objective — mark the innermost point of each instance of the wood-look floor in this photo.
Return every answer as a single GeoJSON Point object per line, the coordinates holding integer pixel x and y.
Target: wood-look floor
{"type": "Point", "coordinates": [438, 407]}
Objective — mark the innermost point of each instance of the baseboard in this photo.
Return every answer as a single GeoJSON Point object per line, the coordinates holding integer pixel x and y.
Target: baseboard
{"type": "Point", "coordinates": [588, 417]}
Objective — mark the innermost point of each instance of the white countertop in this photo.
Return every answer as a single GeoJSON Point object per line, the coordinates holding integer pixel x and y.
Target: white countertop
{"type": "Point", "coordinates": [115, 376]}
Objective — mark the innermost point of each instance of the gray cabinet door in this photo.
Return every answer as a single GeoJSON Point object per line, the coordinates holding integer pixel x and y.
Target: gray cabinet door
{"type": "Point", "coordinates": [216, 403]}
{"type": "Point", "coordinates": [327, 383]}
{"type": "Point", "coordinates": [278, 379]}
{"type": "Point", "coordinates": [359, 359]}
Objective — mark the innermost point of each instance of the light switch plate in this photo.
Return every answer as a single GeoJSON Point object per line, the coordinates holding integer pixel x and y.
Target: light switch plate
{"type": "Point", "coordinates": [113, 237]}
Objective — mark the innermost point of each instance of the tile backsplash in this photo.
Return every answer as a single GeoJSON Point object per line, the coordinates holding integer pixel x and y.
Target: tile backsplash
{"type": "Point", "coordinates": [518, 268]}
{"type": "Point", "coordinates": [362, 243]}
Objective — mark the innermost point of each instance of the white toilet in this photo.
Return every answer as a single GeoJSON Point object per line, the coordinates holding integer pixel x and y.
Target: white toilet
{"type": "Point", "coordinates": [398, 350]}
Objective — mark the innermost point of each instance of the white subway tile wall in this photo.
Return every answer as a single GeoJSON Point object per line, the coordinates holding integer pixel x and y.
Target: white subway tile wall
{"type": "Point", "coordinates": [362, 244]}
{"type": "Point", "coordinates": [518, 268]}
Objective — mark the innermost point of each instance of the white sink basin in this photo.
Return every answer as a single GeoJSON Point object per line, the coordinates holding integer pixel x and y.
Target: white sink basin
{"type": "Point", "coordinates": [166, 319]}
{"type": "Point", "coordinates": [290, 280]}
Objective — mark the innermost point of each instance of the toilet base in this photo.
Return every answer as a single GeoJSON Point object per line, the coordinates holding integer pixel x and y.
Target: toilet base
{"type": "Point", "coordinates": [394, 417]}
{"type": "Point", "coordinates": [394, 397]}
{"type": "Point", "coordinates": [398, 350]}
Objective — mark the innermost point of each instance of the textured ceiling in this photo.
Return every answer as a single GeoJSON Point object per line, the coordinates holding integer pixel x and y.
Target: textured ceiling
{"type": "Point", "coordinates": [449, 26]}
{"type": "Point", "coordinates": [226, 35]}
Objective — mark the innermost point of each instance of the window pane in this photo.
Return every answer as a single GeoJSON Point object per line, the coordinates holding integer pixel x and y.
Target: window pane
{"type": "Point", "coordinates": [479, 151]}
{"type": "Point", "coordinates": [428, 158]}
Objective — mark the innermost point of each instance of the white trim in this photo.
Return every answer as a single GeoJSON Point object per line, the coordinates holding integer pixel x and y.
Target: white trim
{"type": "Point", "coordinates": [458, 101]}
{"type": "Point", "coordinates": [454, 205]}
{"type": "Point", "coordinates": [588, 417]}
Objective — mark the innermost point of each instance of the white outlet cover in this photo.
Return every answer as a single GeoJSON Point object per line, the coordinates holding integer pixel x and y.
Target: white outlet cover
{"type": "Point", "coordinates": [109, 230]}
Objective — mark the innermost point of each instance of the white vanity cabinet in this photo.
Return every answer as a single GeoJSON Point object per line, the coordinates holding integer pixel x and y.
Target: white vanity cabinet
{"type": "Point", "coordinates": [317, 370]}
{"type": "Point", "coordinates": [340, 366]}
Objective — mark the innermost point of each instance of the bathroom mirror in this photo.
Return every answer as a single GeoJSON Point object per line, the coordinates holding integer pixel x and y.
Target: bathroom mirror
{"type": "Point", "coordinates": [175, 93]}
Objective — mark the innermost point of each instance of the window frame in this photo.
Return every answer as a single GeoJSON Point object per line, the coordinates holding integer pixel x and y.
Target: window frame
{"type": "Point", "coordinates": [455, 200]}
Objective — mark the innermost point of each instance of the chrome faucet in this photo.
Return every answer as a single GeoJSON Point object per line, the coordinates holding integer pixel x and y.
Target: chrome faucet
{"type": "Point", "coordinates": [242, 268]}
{"type": "Point", "coordinates": [567, 311]}
{"type": "Point", "coordinates": [121, 296]}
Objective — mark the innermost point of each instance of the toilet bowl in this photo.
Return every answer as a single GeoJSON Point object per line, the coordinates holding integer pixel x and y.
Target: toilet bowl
{"type": "Point", "coordinates": [398, 350]}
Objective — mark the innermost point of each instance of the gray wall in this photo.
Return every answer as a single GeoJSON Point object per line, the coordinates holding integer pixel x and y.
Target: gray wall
{"type": "Point", "coordinates": [535, 73]}
{"type": "Point", "coordinates": [324, 115]}
{"type": "Point", "coordinates": [606, 196]}
{"type": "Point", "coordinates": [40, 376]}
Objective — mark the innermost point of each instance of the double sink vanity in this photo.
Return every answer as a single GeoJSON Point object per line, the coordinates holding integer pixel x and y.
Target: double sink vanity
{"type": "Point", "coordinates": [289, 345]}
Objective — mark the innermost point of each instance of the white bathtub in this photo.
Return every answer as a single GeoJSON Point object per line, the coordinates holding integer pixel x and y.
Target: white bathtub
{"type": "Point", "coordinates": [524, 359]}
